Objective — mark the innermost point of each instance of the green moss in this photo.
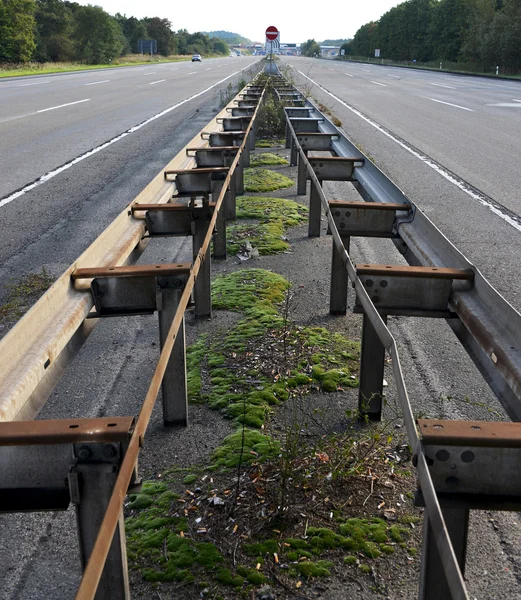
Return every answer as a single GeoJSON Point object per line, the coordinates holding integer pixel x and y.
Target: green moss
{"type": "Point", "coordinates": [371, 550]}
{"type": "Point", "coordinates": [264, 180]}
{"type": "Point", "coordinates": [265, 208]}
{"type": "Point", "coordinates": [225, 577]}
{"type": "Point", "coordinates": [386, 549]}
{"type": "Point", "coordinates": [265, 159]}
{"type": "Point", "coordinates": [189, 479]}
{"type": "Point", "coordinates": [310, 569]}
{"type": "Point", "coordinates": [251, 575]}
{"type": "Point", "coordinates": [248, 288]}
{"type": "Point", "coordinates": [261, 548]}
{"type": "Point", "coordinates": [153, 487]}
{"type": "Point", "coordinates": [251, 444]}
{"type": "Point", "coordinates": [140, 501]}
{"type": "Point", "coordinates": [398, 533]}
{"type": "Point", "coordinates": [408, 519]}
{"type": "Point", "coordinates": [365, 569]}
{"type": "Point", "coordinates": [350, 560]}
{"type": "Point", "coordinates": [268, 143]}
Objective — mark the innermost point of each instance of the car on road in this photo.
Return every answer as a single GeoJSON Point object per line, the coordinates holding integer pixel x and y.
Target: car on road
{"type": "Point", "coordinates": [196, 58]}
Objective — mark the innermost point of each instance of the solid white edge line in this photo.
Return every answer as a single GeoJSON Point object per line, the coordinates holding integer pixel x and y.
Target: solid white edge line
{"type": "Point", "coordinates": [424, 158]}
{"type": "Point", "coordinates": [159, 81]}
{"type": "Point", "coordinates": [192, 73]}
{"type": "Point", "coordinates": [349, 74]}
{"type": "Point", "coordinates": [96, 82]}
{"type": "Point", "coordinates": [88, 154]}
{"type": "Point", "coordinates": [450, 104]}
{"type": "Point", "coordinates": [62, 105]}
{"type": "Point", "coordinates": [378, 83]}
{"type": "Point", "coordinates": [151, 73]}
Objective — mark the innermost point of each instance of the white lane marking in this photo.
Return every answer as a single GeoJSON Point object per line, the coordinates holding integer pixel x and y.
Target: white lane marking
{"type": "Point", "coordinates": [192, 73]}
{"type": "Point", "coordinates": [516, 104]}
{"type": "Point", "coordinates": [35, 83]}
{"type": "Point", "coordinates": [97, 149]}
{"type": "Point", "coordinates": [365, 70]}
{"type": "Point", "coordinates": [450, 104]}
{"type": "Point", "coordinates": [175, 69]}
{"type": "Point", "coordinates": [349, 74]}
{"type": "Point", "coordinates": [151, 73]}
{"type": "Point", "coordinates": [97, 82]}
{"type": "Point", "coordinates": [394, 76]}
{"type": "Point", "coordinates": [159, 81]}
{"type": "Point", "coordinates": [515, 100]}
{"type": "Point", "coordinates": [208, 69]}
{"type": "Point", "coordinates": [331, 69]}
{"type": "Point", "coordinates": [449, 87]}
{"type": "Point", "coordinates": [377, 83]}
{"type": "Point", "coordinates": [62, 105]}
{"type": "Point", "coordinates": [451, 177]}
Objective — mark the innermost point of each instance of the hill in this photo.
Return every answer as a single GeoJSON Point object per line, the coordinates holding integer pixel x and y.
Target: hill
{"type": "Point", "coordinates": [229, 37]}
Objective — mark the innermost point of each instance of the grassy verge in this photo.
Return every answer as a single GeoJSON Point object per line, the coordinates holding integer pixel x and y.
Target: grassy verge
{"type": "Point", "coordinates": [7, 70]}
{"type": "Point", "coordinates": [21, 296]}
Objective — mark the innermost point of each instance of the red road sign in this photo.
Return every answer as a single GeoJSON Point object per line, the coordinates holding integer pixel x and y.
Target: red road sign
{"type": "Point", "coordinates": [272, 33]}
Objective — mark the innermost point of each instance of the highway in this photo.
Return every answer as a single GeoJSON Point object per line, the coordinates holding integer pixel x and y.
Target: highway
{"type": "Point", "coordinates": [450, 142]}
{"type": "Point", "coordinates": [78, 147]}
{"type": "Point", "coordinates": [75, 148]}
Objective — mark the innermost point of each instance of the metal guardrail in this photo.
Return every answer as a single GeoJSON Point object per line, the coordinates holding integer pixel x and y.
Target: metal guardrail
{"type": "Point", "coordinates": [488, 327]}
{"type": "Point", "coordinates": [102, 465]}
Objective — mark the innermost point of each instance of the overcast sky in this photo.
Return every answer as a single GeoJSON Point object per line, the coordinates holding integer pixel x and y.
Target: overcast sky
{"type": "Point", "coordinates": [297, 21]}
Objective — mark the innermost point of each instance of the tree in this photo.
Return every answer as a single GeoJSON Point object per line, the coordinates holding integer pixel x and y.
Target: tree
{"type": "Point", "coordinates": [310, 48]}
{"type": "Point", "coordinates": [133, 30]}
{"type": "Point", "coordinates": [6, 35]}
{"type": "Point", "coordinates": [98, 37]}
{"type": "Point", "coordinates": [21, 25]}
{"type": "Point", "coordinates": [54, 22]}
{"type": "Point", "coordinates": [161, 30]}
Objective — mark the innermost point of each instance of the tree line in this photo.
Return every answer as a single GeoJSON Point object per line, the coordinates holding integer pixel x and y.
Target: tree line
{"type": "Point", "coordinates": [485, 33]}
{"type": "Point", "coordinates": [63, 31]}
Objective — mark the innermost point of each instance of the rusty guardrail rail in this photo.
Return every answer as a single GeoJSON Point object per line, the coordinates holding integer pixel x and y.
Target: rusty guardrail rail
{"type": "Point", "coordinates": [101, 468]}
{"type": "Point", "coordinates": [440, 283]}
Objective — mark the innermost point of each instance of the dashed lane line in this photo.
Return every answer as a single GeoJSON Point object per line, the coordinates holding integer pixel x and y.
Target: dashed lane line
{"type": "Point", "coordinates": [450, 104]}
{"type": "Point", "coordinates": [62, 105]}
{"type": "Point", "coordinates": [495, 207]}
{"type": "Point", "coordinates": [51, 174]}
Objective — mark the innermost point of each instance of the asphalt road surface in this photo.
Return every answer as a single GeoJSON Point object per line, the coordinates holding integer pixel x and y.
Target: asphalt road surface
{"type": "Point", "coordinates": [76, 148]}
{"type": "Point", "coordinates": [450, 142]}
{"type": "Point", "coordinates": [446, 140]}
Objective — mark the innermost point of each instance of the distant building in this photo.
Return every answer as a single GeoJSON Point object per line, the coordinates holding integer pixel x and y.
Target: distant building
{"type": "Point", "coordinates": [329, 51]}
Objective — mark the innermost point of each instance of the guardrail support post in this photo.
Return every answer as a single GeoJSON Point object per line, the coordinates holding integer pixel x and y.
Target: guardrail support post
{"type": "Point", "coordinates": [372, 360]}
{"type": "Point", "coordinates": [202, 290]}
{"type": "Point", "coordinates": [219, 241]}
{"type": "Point", "coordinates": [230, 199]}
{"type": "Point", "coordinates": [339, 281]}
{"type": "Point", "coordinates": [315, 211]}
{"type": "Point", "coordinates": [433, 583]}
{"type": "Point", "coordinates": [288, 136]}
{"type": "Point", "coordinates": [239, 177]}
{"type": "Point", "coordinates": [173, 387]}
{"type": "Point", "coordinates": [302, 175]}
{"type": "Point", "coordinates": [293, 153]}
{"type": "Point", "coordinates": [94, 488]}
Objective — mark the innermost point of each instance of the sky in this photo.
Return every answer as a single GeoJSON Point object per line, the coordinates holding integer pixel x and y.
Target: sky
{"type": "Point", "coordinates": [296, 21]}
